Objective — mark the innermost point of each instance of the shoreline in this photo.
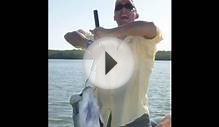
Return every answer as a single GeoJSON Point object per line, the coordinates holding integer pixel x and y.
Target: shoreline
{"type": "Point", "coordinates": [82, 59]}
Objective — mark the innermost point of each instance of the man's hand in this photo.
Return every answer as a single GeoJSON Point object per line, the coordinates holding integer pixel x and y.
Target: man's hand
{"type": "Point", "coordinates": [100, 32]}
{"type": "Point", "coordinates": [76, 38]}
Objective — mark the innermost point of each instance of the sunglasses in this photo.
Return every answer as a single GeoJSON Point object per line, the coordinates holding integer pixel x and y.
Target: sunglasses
{"type": "Point", "coordinates": [128, 6]}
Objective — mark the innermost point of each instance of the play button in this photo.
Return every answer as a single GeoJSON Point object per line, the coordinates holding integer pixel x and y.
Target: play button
{"type": "Point", "coordinates": [108, 63]}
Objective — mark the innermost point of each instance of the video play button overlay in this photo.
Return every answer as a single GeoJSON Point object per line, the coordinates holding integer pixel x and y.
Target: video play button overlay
{"type": "Point", "coordinates": [109, 63]}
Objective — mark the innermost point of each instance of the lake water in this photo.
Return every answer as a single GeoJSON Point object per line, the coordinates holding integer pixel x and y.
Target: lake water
{"type": "Point", "coordinates": [66, 78]}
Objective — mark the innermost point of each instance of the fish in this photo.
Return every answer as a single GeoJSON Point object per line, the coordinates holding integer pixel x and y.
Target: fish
{"type": "Point", "coordinates": [86, 111]}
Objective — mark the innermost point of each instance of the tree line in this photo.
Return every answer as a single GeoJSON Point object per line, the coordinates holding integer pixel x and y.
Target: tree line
{"type": "Point", "coordinates": [78, 54]}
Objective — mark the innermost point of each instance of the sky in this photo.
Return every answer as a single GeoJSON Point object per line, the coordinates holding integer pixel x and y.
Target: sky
{"type": "Point", "coordinates": [70, 15]}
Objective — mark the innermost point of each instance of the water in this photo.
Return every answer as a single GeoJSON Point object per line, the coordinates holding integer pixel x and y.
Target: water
{"type": "Point", "coordinates": [66, 78]}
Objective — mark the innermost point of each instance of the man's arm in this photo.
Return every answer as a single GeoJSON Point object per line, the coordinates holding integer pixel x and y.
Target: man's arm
{"type": "Point", "coordinates": [137, 28]}
{"type": "Point", "coordinates": [77, 39]}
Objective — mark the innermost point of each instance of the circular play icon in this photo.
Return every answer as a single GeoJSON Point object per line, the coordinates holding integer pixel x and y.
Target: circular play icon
{"type": "Point", "coordinates": [108, 63]}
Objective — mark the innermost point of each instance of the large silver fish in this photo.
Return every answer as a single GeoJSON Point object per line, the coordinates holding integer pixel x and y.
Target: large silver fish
{"type": "Point", "coordinates": [86, 112]}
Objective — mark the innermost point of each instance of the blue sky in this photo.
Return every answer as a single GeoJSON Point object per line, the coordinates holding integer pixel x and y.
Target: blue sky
{"type": "Point", "coordinates": [70, 15]}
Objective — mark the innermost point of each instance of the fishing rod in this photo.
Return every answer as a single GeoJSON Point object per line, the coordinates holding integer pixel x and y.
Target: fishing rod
{"type": "Point", "coordinates": [96, 20]}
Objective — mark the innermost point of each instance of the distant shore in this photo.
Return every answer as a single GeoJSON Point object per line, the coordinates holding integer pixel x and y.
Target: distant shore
{"type": "Point", "coordinates": [78, 54]}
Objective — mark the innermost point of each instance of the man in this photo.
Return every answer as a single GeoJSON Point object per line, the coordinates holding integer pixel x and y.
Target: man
{"type": "Point", "coordinates": [127, 106]}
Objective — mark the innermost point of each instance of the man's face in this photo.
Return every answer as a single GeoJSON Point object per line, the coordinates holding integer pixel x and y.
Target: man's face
{"type": "Point", "coordinates": [125, 12]}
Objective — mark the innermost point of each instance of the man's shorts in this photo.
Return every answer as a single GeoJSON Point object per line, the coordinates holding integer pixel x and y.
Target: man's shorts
{"type": "Point", "coordinates": [142, 121]}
